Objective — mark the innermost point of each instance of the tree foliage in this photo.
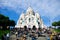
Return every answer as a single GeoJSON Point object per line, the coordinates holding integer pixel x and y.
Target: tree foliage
{"type": "Point", "coordinates": [5, 21]}
{"type": "Point", "coordinates": [56, 23]}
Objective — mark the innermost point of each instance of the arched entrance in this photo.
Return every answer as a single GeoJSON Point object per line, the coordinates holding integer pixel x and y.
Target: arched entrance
{"type": "Point", "coordinates": [25, 27]}
{"type": "Point", "coordinates": [34, 27]}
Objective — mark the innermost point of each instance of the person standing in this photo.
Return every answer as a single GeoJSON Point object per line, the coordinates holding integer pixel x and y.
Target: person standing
{"type": "Point", "coordinates": [34, 36]}
{"type": "Point", "coordinates": [7, 36]}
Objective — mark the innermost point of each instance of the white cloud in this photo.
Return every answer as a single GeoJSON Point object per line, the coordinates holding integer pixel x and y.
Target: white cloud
{"type": "Point", "coordinates": [51, 7]}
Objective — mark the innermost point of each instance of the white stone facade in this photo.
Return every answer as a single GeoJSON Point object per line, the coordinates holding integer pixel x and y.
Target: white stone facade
{"type": "Point", "coordinates": [29, 19]}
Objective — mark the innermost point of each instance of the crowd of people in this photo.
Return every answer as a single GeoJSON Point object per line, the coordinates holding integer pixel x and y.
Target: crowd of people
{"type": "Point", "coordinates": [28, 32]}
{"type": "Point", "coordinates": [24, 33]}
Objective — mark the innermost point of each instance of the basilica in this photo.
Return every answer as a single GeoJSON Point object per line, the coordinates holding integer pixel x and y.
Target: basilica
{"type": "Point", "coordinates": [29, 19]}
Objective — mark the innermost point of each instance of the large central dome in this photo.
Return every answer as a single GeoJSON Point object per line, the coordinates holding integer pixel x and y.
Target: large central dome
{"type": "Point", "coordinates": [29, 19]}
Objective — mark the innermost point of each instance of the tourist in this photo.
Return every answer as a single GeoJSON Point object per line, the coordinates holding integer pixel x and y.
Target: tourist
{"type": "Point", "coordinates": [23, 37]}
{"type": "Point", "coordinates": [39, 33]}
{"type": "Point", "coordinates": [34, 36]}
{"type": "Point", "coordinates": [51, 36]}
{"type": "Point", "coordinates": [7, 36]}
{"type": "Point", "coordinates": [16, 34]}
{"type": "Point", "coordinates": [4, 37]}
{"type": "Point", "coordinates": [59, 36]}
{"type": "Point", "coordinates": [56, 37]}
{"type": "Point", "coordinates": [48, 38]}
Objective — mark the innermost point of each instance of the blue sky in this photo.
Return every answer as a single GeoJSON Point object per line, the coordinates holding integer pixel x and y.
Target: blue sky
{"type": "Point", "coordinates": [49, 9]}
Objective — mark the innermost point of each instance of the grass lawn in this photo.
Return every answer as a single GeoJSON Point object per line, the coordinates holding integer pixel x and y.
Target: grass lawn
{"type": "Point", "coordinates": [2, 32]}
{"type": "Point", "coordinates": [57, 30]}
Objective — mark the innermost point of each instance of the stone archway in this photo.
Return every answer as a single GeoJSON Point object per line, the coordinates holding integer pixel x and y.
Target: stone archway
{"type": "Point", "coordinates": [25, 27]}
{"type": "Point", "coordinates": [34, 27]}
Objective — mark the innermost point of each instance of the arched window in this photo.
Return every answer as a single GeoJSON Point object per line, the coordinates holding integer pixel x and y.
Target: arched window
{"type": "Point", "coordinates": [29, 19]}
{"type": "Point", "coordinates": [39, 24]}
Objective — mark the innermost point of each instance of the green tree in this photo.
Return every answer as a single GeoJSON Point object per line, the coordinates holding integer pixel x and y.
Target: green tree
{"type": "Point", "coordinates": [56, 23]}
{"type": "Point", "coordinates": [5, 21]}
{"type": "Point", "coordinates": [12, 23]}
